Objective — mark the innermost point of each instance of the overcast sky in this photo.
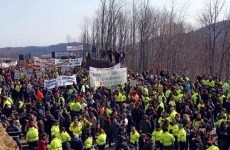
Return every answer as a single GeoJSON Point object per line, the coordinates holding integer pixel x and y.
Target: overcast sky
{"type": "Point", "coordinates": [46, 22]}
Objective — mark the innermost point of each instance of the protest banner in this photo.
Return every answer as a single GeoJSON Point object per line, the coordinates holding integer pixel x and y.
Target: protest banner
{"type": "Point", "coordinates": [108, 78]}
{"type": "Point", "coordinates": [69, 62]}
{"type": "Point", "coordinates": [43, 62]}
{"type": "Point", "coordinates": [60, 81]}
{"type": "Point", "coordinates": [74, 48]}
{"type": "Point", "coordinates": [9, 64]}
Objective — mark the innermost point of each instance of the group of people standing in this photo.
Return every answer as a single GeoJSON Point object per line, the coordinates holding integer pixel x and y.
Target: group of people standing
{"type": "Point", "coordinates": [166, 112]}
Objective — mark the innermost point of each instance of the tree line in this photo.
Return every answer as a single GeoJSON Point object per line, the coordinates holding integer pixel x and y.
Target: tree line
{"type": "Point", "coordinates": [161, 39]}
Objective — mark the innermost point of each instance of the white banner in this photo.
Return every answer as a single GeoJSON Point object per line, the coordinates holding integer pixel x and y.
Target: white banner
{"type": "Point", "coordinates": [75, 48]}
{"type": "Point", "coordinates": [7, 65]}
{"type": "Point", "coordinates": [60, 81]}
{"type": "Point", "coordinates": [108, 78]}
{"type": "Point", "coordinates": [92, 69]}
{"type": "Point", "coordinates": [43, 62]}
{"type": "Point", "coordinates": [69, 62]}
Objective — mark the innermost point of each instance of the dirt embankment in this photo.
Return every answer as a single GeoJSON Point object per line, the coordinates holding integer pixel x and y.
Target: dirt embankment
{"type": "Point", "coordinates": [6, 142]}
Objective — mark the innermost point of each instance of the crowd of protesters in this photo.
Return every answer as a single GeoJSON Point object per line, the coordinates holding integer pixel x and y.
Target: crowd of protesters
{"type": "Point", "coordinates": [166, 112]}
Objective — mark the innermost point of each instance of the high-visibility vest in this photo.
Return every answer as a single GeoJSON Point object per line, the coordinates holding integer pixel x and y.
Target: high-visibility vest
{"type": "Point", "coordinates": [213, 147]}
{"type": "Point", "coordinates": [108, 112]}
{"type": "Point", "coordinates": [76, 106]}
{"type": "Point", "coordinates": [174, 129]}
{"type": "Point", "coordinates": [88, 143]}
{"type": "Point", "coordinates": [172, 115]}
{"type": "Point", "coordinates": [200, 106]}
{"type": "Point", "coordinates": [156, 135]}
{"type": "Point", "coordinates": [32, 135]}
{"type": "Point", "coordinates": [55, 130]}
{"type": "Point", "coordinates": [134, 137]}
{"type": "Point", "coordinates": [120, 98]}
{"type": "Point", "coordinates": [7, 102]}
{"type": "Point", "coordinates": [56, 144]}
{"type": "Point", "coordinates": [64, 136]}
{"type": "Point", "coordinates": [20, 104]}
{"type": "Point", "coordinates": [77, 130]}
{"type": "Point", "coordinates": [101, 139]}
{"type": "Point", "coordinates": [167, 139]}
{"type": "Point", "coordinates": [182, 135]}
{"type": "Point", "coordinates": [167, 93]}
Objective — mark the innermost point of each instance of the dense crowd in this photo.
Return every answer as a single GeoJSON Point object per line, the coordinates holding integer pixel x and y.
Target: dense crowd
{"type": "Point", "coordinates": [166, 112]}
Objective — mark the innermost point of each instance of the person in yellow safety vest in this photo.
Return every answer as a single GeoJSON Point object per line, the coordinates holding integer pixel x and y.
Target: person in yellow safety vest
{"type": "Point", "coordinates": [108, 111]}
{"type": "Point", "coordinates": [222, 119]}
{"type": "Point", "coordinates": [61, 100]}
{"type": "Point", "coordinates": [101, 139]}
{"type": "Point", "coordinates": [178, 96]}
{"type": "Point", "coordinates": [88, 143]}
{"type": "Point", "coordinates": [172, 114]}
{"type": "Point", "coordinates": [55, 129]}
{"type": "Point", "coordinates": [55, 144]}
{"type": "Point", "coordinates": [156, 136]}
{"type": "Point", "coordinates": [32, 137]}
{"type": "Point", "coordinates": [76, 107]}
{"type": "Point", "coordinates": [65, 138]}
{"type": "Point", "coordinates": [167, 139]}
{"type": "Point", "coordinates": [134, 137]}
{"type": "Point", "coordinates": [161, 97]}
{"type": "Point", "coordinates": [173, 128]}
{"type": "Point", "coordinates": [221, 98]}
{"type": "Point", "coordinates": [70, 91]}
{"type": "Point", "coordinates": [20, 104]}
{"type": "Point", "coordinates": [120, 98]}
{"type": "Point", "coordinates": [168, 92]}
{"type": "Point", "coordinates": [76, 128]}
{"type": "Point", "coordinates": [225, 86]}
{"type": "Point", "coordinates": [228, 95]}
{"type": "Point", "coordinates": [211, 146]}
{"type": "Point", "coordinates": [200, 105]}
{"type": "Point", "coordinates": [181, 137]}
{"type": "Point", "coordinates": [17, 88]}
{"type": "Point", "coordinates": [7, 103]}
{"type": "Point", "coordinates": [195, 96]}
{"type": "Point", "coordinates": [197, 122]}
{"type": "Point", "coordinates": [145, 98]}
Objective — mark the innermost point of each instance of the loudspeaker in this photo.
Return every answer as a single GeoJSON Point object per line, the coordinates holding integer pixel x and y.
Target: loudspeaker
{"type": "Point", "coordinates": [53, 54]}
{"type": "Point", "coordinates": [21, 57]}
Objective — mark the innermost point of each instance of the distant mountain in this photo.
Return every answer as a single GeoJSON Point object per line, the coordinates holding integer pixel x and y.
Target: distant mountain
{"type": "Point", "coordinates": [34, 50]}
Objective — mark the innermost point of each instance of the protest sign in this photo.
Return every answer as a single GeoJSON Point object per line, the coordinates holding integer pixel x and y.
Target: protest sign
{"type": "Point", "coordinates": [9, 64]}
{"type": "Point", "coordinates": [108, 78]}
{"type": "Point", "coordinates": [69, 62]}
{"type": "Point", "coordinates": [43, 62]}
{"type": "Point", "coordinates": [60, 81]}
{"type": "Point", "coordinates": [74, 48]}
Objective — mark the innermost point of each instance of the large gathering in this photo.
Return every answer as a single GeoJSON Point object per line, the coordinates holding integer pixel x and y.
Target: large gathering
{"type": "Point", "coordinates": [148, 111]}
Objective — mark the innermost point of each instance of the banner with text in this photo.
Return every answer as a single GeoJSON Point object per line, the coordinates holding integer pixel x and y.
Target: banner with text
{"type": "Point", "coordinates": [60, 81]}
{"type": "Point", "coordinates": [68, 62]}
{"type": "Point", "coordinates": [43, 62]}
{"type": "Point", "coordinates": [108, 78]}
{"type": "Point", "coordinates": [74, 48]}
{"type": "Point", "coordinates": [9, 64]}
